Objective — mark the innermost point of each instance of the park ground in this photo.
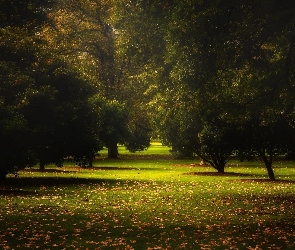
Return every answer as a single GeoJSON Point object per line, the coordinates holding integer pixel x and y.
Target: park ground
{"type": "Point", "coordinates": [149, 200]}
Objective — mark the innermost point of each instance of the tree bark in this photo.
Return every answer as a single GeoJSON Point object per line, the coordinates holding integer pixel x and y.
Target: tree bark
{"type": "Point", "coordinates": [41, 166]}
{"type": "Point", "coordinates": [2, 176]}
{"type": "Point", "coordinates": [291, 153]}
{"type": "Point", "coordinates": [268, 165]}
{"type": "Point", "coordinates": [90, 162]}
{"type": "Point", "coordinates": [220, 169]}
{"type": "Point", "coordinates": [218, 162]}
{"type": "Point", "coordinates": [113, 151]}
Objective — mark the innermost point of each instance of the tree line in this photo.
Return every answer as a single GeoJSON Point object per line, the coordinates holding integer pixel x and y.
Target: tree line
{"type": "Point", "coordinates": [208, 78]}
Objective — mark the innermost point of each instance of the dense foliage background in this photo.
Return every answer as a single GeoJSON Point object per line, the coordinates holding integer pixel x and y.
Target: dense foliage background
{"type": "Point", "coordinates": [209, 78]}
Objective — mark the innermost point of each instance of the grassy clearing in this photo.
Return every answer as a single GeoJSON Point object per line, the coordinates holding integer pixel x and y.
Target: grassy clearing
{"type": "Point", "coordinates": [144, 202]}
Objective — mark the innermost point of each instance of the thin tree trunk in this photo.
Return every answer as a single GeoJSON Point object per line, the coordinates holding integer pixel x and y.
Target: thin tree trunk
{"type": "Point", "coordinates": [174, 148]}
{"type": "Point", "coordinates": [291, 153]}
{"type": "Point", "coordinates": [268, 165]}
{"type": "Point", "coordinates": [41, 166]}
{"type": "Point", "coordinates": [90, 162]}
{"type": "Point", "coordinates": [2, 176]}
{"type": "Point", "coordinates": [113, 151]}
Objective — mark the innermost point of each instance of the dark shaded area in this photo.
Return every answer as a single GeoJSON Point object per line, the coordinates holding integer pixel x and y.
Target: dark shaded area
{"type": "Point", "coordinates": [53, 181]}
{"type": "Point", "coordinates": [267, 180]}
{"type": "Point", "coordinates": [179, 236]}
{"type": "Point", "coordinates": [16, 192]}
{"type": "Point", "coordinates": [220, 174]}
{"type": "Point", "coordinates": [232, 174]}
{"type": "Point", "coordinates": [77, 169]}
{"type": "Point", "coordinates": [48, 170]}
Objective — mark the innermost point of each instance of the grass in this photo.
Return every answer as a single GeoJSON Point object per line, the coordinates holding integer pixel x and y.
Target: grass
{"type": "Point", "coordinates": [149, 202]}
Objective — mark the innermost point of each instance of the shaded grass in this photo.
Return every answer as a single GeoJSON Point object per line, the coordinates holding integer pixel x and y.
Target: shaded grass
{"type": "Point", "coordinates": [145, 203]}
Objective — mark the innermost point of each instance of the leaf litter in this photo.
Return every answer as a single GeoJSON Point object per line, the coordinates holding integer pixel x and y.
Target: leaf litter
{"type": "Point", "coordinates": [149, 215]}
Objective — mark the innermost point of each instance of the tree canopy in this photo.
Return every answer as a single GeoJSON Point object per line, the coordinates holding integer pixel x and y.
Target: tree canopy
{"type": "Point", "coordinates": [224, 67]}
{"type": "Point", "coordinates": [209, 78]}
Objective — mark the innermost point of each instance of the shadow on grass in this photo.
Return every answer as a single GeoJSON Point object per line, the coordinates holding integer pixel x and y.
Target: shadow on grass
{"type": "Point", "coordinates": [255, 179]}
{"type": "Point", "coordinates": [275, 235]}
{"type": "Point", "coordinates": [277, 181]}
{"type": "Point", "coordinates": [75, 169]}
{"type": "Point", "coordinates": [228, 174]}
{"type": "Point", "coordinates": [51, 170]}
{"type": "Point", "coordinates": [16, 192]}
{"type": "Point", "coordinates": [16, 182]}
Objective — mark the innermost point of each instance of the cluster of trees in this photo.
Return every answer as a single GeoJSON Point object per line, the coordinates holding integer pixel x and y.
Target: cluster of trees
{"type": "Point", "coordinates": [224, 75]}
{"type": "Point", "coordinates": [210, 78]}
{"type": "Point", "coordinates": [58, 94]}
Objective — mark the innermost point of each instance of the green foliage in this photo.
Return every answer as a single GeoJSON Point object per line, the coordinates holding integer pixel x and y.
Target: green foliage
{"type": "Point", "coordinates": [138, 140]}
{"type": "Point", "coordinates": [22, 13]}
{"type": "Point", "coordinates": [216, 145]}
{"type": "Point", "coordinates": [207, 78]}
{"type": "Point", "coordinates": [15, 154]}
{"type": "Point", "coordinates": [114, 118]}
{"type": "Point", "coordinates": [18, 49]}
{"type": "Point", "coordinates": [176, 120]}
{"type": "Point", "coordinates": [235, 60]}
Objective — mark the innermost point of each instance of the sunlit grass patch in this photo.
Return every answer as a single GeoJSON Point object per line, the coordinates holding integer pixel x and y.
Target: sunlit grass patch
{"type": "Point", "coordinates": [155, 150]}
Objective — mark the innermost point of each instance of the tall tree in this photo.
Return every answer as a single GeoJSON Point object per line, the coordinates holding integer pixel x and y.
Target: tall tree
{"type": "Point", "coordinates": [20, 22]}
{"type": "Point", "coordinates": [253, 84]}
{"type": "Point", "coordinates": [235, 59]}
{"type": "Point", "coordinates": [88, 27]}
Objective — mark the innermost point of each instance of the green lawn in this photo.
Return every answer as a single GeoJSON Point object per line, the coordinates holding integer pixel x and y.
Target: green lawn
{"type": "Point", "coordinates": [149, 202]}
{"type": "Point", "coordinates": [156, 148]}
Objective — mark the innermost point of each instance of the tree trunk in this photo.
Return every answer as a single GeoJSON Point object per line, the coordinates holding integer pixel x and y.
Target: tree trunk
{"type": "Point", "coordinates": [291, 153]}
{"type": "Point", "coordinates": [90, 162]}
{"type": "Point", "coordinates": [268, 165]}
{"type": "Point", "coordinates": [218, 162]}
{"type": "Point", "coordinates": [220, 169]}
{"type": "Point", "coordinates": [41, 166]}
{"type": "Point", "coordinates": [174, 148]}
{"type": "Point", "coordinates": [2, 176]}
{"type": "Point", "coordinates": [113, 151]}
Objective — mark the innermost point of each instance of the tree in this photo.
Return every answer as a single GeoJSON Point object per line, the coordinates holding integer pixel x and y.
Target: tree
{"type": "Point", "coordinates": [20, 21]}
{"type": "Point", "coordinates": [62, 120]}
{"type": "Point", "coordinates": [255, 84]}
{"type": "Point", "coordinates": [176, 121]}
{"type": "Point", "coordinates": [236, 58]}
{"type": "Point", "coordinates": [49, 91]}
{"type": "Point", "coordinates": [139, 52]}
{"type": "Point", "coordinates": [15, 151]}
{"type": "Point", "coordinates": [216, 144]}
{"type": "Point", "coordinates": [39, 111]}
{"type": "Point", "coordinates": [138, 129]}
{"type": "Point", "coordinates": [84, 141]}
{"type": "Point", "coordinates": [202, 73]}
{"type": "Point", "coordinates": [265, 139]}
{"type": "Point", "coordinates": [114, 122]}
{"type": "Point", "coordinates": [88, 27]}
